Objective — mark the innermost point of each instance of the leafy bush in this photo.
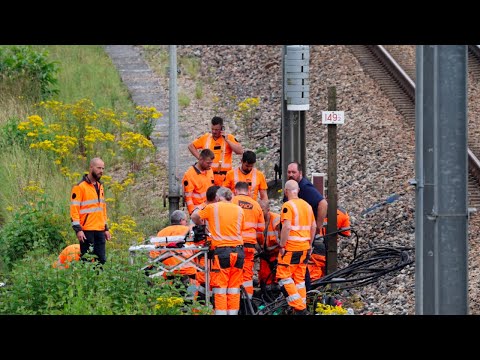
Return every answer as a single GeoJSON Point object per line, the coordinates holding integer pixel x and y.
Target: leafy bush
{"type": "Point", "coordinates": [10, 134]}
{"type": "Point", "coordinates": [34, 287]}
{"type": "Point", "coordinates": [34, 226]}
{"type": "Point", "coordinates": [22, 63]}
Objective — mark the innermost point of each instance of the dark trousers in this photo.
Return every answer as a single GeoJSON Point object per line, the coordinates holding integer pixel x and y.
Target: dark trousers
{"type": "Point", "coordinates": [97, 240]}
{"type": "Point", "coordinates": [308, 282]}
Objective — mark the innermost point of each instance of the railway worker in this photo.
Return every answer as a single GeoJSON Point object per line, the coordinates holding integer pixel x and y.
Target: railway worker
{"type": "Point", "coordinates": [269, 245]}
{"type": "Point", "coordinates": [211, 198]}
{"type": "Point", "coordinates": [88, 212]}
{"type": "Point", "coordinates": [221, 144]}
{"type": "Point", "coordinates": [226, 222]}
{"type": "Point", "coordinates": [187, 272]}
{"type": "Point", "coordinates": [246, 172]}
{"type": "Point", "coordinates": [69, 254]}
{"type": "Point", "coordinates": [316, 262]}
{"type": "Point", "coordinates": [197, 179]}
{"type": "Point", "coordinates": [297, 234]}
{"type": "Point", "coordinates": [254, 227]}
{"type": "Point", "coordinates": [311, 195]}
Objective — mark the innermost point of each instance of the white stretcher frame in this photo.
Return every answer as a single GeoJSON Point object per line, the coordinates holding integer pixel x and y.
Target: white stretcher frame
{"type": "Point", "coordinates": [176, 253]}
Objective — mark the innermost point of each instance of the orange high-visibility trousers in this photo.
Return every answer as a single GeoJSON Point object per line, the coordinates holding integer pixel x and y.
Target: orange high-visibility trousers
{"type": "Point", "coordinates": [291, 270]}
{"type": "Point", "coordinates": [228, 267]}
{"type": "Point", "coordinates": [248, 269]}
{"type": "Point", "coordinates": [267, 273]}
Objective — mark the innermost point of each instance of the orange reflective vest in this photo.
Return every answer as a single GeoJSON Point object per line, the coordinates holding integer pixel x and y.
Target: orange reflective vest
{"type": "Point", "coordinates": [343, 221]}
{"type": "Point", "coordinates": [186, 268]}
{"type": "Point", "coordinates": [270, 236]}
{"type": "Point", "coordinates": [254, 221]}
{"type": "Point", "coordinates": [225, 222]}
{"type": "Point", "coordinates": [195, 186]}
{"type": "Point", "coordinates": [88, 209]}
{"type": "Point", "coordinates": [255, 179]}
{"type": "Point", "coordinates": [69, 254]}
{"type": "Point", "coordinates": [301, 217]}
{"type": "Point", "coordinates": [221, 149]}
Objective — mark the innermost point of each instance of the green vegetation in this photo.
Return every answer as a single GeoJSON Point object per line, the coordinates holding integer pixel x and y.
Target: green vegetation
{"type": "Point", "coordinates": [158, 57]}
{"type": "Point", "coordinates": [44, 149]}
{"type": "Point", "coordinates": [199, 90]}
{"type": "Point", "coordinates": [190, 66]}
{"type": "Point", "coordinates": [33, 287]}
{"type": "Point", "coordinates": [27, 72]}
{"type": "Point", "coordinates": [183, 99]}
{"type": "Point", "coordinates": [86, 71]}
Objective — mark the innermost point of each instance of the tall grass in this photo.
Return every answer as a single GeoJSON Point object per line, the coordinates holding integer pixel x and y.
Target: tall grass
{"type": "Point", "coordinates": [13, 105]}
{"type": "Point", "coordinates": [18, 167]}
{"type": "Point", "coordinates": [86, 71]}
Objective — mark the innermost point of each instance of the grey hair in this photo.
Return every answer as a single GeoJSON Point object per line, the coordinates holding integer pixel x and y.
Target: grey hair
{"type": "Point", "coordinates": [177, 216]}
{"type": "Point", "coordinates": [226, 193]}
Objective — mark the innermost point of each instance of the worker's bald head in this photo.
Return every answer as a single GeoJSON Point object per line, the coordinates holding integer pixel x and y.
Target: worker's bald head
{"type": "Point", "coordinates": [292, 187]}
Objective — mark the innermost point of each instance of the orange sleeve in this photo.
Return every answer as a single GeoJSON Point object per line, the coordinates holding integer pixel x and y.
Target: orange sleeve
{"type": "Point", "coordinates": [344, 222]}
{"type": "Point", "coordinates": [199, 143]}
{"type": "Point", "coordinates": [188, 192]}
{"type": "Point", "coordinates": [262, 183]}
{"type": "Point", "coordinates": [228, 182]}
{"type": "Point", "coordinates": [260, 220]}
{"type": "Point", "coordinates": [232, 139]}
{"type": "Point", "coordinates": [76, 197]}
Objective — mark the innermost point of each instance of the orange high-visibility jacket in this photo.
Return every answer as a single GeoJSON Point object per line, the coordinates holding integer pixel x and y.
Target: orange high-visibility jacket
{"type": "Point", "coordinates": [271, 234]}
{"type": "Point", "coordinates": [301, 217]}
{"type": "Point", "coordinates": [88, 209]}
{"type": "Point", "coordinates": [254, 221]}
{"type": "Point", "coordinates": [223, 159]}
{"type": "Point", "coordinates": [195, 185]}
{"type": "Point", "coordinates": [186, 268]}
{"type": "Point", "coordinates": [225, 222]}
{"type": "Point", "coordinates": [255, 179]}
{"type": "Point", "coordinates": [69, 254]}
{"type": "Point", "coordinates": [343, 221]}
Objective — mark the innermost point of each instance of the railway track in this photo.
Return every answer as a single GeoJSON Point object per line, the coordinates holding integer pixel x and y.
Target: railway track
{"type": "Point", "coordinates": [396, 81]}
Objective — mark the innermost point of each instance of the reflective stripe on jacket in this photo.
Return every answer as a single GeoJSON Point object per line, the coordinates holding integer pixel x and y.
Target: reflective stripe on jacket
{"type": "Point", "coordinates": [301, 217]}
{"type": "Point", "coordinates": [225, 222]}
{"type": "Point", "coordinates": [254, 221]}
{"type": "Point", "coordinates": [343, 221]}
{"type": "Point", "coordinates": [88, 209]}
{"type": "Point", "coordinates": [255, 180]}
{"type": "Point", "coordinates": [186, 268]}
{"type": "Point", "coordinates": [195, 185]}
{"type": "Point", "coordinates": [271, 235]}
{"type": "Point", "coordinates": [223, 159]}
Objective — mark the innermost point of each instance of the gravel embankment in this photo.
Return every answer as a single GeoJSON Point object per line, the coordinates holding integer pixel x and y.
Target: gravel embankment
{"type": "Point", "coordinates": [375, 148]}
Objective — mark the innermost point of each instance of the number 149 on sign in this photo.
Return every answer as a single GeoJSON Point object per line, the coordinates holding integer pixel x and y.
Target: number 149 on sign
{"type": "Point", "coordinates": [333, 117]}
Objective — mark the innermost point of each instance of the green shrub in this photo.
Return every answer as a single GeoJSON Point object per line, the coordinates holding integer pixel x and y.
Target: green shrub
{"type": "Point", "coordinates": [34, 226]}
{"type": "Point", "coordinates": [34, 287]}
{"type": "Point", "coordinates": [23, 64]}
{"type": "Point", "coordinates": [198, 90]}
{"type": "Point", "coordinates": [10, 134]}
{"type": "Point", "coordinates": [183, 100]}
